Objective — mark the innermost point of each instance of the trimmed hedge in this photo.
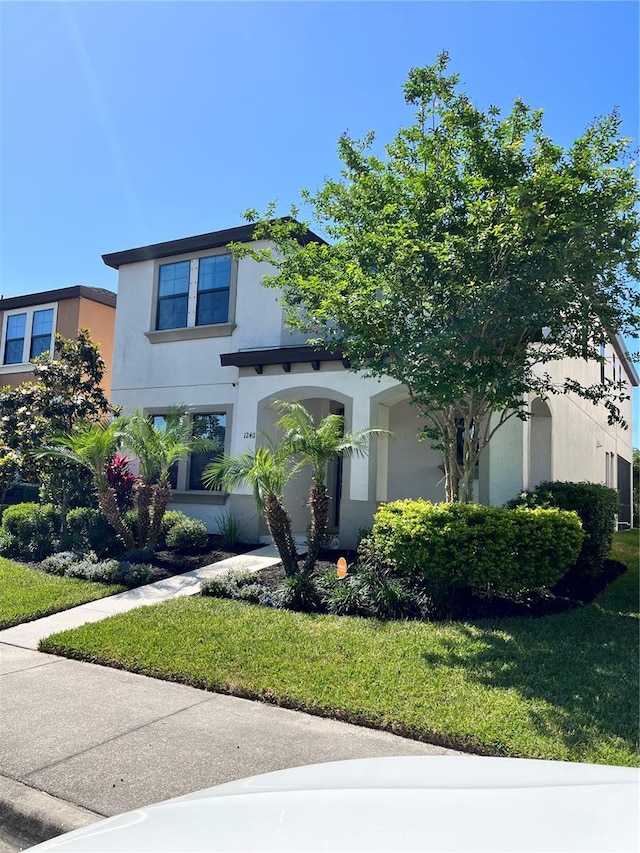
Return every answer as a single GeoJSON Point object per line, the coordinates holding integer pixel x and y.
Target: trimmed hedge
{"type": "Point", "coordinates": [89, 530]}
{"type": "Point", "coordinates": [448, 548]}
{"type": "Point", "coordinates": [29, 531]}
{"type": "Point", "coordinates": [596, 505]}
{"type": "Point", "coordinates": [186, 536]}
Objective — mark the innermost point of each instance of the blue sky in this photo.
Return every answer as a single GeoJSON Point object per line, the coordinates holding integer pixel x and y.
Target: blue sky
{"type": "Point", "coordinates": [126, 123]}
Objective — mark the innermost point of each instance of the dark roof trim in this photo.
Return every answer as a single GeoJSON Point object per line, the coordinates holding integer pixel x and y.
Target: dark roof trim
{"type": "Point", "coordinates": [258, 358]}
{"type": "Point", "coordinates": [95, 294]}
{"type": "Point", "coordinates": [199, 243]}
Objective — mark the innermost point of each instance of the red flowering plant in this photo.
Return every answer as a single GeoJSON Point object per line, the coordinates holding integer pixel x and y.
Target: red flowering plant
{"type": "Point", "coordinates": [122, 479]}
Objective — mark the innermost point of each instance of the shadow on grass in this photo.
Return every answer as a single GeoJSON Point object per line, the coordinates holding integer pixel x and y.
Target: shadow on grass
{"type": "Point", "coordinates": [583, 663]}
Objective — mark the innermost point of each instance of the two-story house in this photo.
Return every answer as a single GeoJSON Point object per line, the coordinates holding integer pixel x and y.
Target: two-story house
{"type": "Point", "coordinates": [195, 327]}
{"type": "Point", "coordinates": [28, 324]}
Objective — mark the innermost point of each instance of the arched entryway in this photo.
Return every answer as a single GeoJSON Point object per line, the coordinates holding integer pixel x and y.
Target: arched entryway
{"type": "Point", "coordinates": [540, 443]}
{"type": "Point", "coordinates": [297, 491]}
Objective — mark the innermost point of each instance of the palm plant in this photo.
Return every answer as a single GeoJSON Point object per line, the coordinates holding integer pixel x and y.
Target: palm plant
{"type": "Point", "coordinates": [266, 470]}
{"type": "Point", "coordinates": [317, 446]}
{"type": "Point", "coordinates": [92, 446]}
{"type": "Point", "coordinates": [157, 450]}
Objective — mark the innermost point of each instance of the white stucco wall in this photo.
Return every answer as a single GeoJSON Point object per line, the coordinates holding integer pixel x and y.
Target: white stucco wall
{"type": "Point", "coordinates": [581, 435]}
{"type": "Point", "coordinates": [156, 375]}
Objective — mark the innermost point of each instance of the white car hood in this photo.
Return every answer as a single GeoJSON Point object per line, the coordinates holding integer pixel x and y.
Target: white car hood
{"type": "Point", "coordinates": [440, 803]}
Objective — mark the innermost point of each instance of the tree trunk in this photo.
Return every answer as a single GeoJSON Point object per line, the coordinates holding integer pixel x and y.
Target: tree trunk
{"type": "Point", "coordinates": [319, 506]}
{"type": "Point", "coordinates": [279, 525]}
{"type": "Point", "coordinates": [109, 505]}
{"type": "Point", "coordinates": [161, 497]}
{"type": "Point", "coordinates": [142, 499]}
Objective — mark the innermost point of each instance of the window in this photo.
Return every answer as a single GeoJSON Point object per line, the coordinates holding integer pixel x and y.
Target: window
{"type": "Point", "coordinates": [173, 295]}
{"type": "Point", "coordinates": [160, 422]}
{"type": "Point", "coordinates": [186, 475]}
{"type": "Point", "coordinates": [211, 427]}
{"type": "Point", "coordinates": [14, 341]}
{"type": "Point", "coordinates": [27, 334]}
{"type": "Point", "coordinates": [41, 330]}
{"type": "Point", "coordinates": [194, 293]}
{"type": "Point", "coordinates": [214, 282]}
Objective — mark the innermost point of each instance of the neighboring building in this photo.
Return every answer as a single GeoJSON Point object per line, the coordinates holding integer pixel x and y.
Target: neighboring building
{"type": "Point", "coordinates": [197, 328]}
{"type": "Point", "coordinates": [28, 324]}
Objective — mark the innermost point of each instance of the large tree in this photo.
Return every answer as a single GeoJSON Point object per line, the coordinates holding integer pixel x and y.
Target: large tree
{"type": "Point", "coordinates": [465, 259]}
{"type": "Point", "coordinates": [66, 390]}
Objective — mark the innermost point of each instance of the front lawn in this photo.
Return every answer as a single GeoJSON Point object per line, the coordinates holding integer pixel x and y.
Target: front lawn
{"type": "Point", "coordinates": [27, 594]}
{"type": "Point", "coordinates": [563, 686]}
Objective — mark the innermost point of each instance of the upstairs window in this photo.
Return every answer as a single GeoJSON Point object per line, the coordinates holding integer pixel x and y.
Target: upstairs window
{"type": "Point", "coordinates": [14, 340]}
{"type": "Point", "coordinates": [27, 334]}
{"type": "Point", "coordinates": [173, 295]}
{"type": "Point", "coordinates": [214, 283]}
{"type": "Point", "coordinates": [41, 331]}
{"type": "Point", "coordinates": [194, 293]}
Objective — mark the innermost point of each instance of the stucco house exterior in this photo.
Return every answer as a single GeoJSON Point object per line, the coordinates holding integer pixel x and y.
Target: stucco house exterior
{"type": "Point", "coordinates": [195, 327]}
{"type": "Point", "coordinates": [28, 324]}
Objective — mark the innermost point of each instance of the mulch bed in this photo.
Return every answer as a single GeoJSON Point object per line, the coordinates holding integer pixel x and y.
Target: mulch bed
{"type": "Point", "coordinates": [176, 564]}
{"type": "Point", "coordinates": [535, 604]}
{"type": "Point", "coordinates": [541, 602]}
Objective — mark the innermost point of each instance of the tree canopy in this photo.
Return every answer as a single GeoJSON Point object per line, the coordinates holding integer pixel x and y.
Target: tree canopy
{"type": "Point", "coordinates": [66, 390]}
{"type": "Point", "coordinates": [467, 258]}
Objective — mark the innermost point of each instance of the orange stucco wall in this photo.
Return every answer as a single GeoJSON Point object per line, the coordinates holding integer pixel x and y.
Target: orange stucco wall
{"type": "Point", "coordinates": [100, 320]}
{"type": "Point", "coordinates": [67, 317]}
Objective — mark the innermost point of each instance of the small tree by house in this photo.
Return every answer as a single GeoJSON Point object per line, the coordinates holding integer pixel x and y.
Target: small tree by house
{"type": "Point", "coordinates": [316, 446]}
{"type": "Point", "coordinates": [157, 449]}
{"type": "Point", "coordinates": [266, 470]}
{"type": "Point", "coordinates": [96, 446]}
{"type": "Point", "coordinates": [92, 446]}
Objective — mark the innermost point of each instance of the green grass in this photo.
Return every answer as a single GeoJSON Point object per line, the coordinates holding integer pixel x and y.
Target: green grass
{"type": "Point", "coordinates": [563, 687]}
{"type": "Point", "coordinates": [27, 594]}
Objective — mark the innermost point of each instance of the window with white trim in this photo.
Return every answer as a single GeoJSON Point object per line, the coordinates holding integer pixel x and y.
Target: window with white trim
{"type": "Point", "coordinates": [186, 475]}
{"type": "Point", "coordinates": [194, 292]}
{"type": "Point", "coordinates": [27, 334]}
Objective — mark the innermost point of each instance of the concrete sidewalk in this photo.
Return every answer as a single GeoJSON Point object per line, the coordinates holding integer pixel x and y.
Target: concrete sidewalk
{"type": "Point", "coordinates": [29, 634]}
{"type": "Point", "coordinates": [81, 741]}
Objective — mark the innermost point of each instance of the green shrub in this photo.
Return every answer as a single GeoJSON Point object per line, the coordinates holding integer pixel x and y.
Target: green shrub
{"type": "Point", "coordinates": [596, 506]}
{"type": "Point", "coordinates": [444, 549]}
{"type": "Point", "coordinates": [236, 584]}
{"type": "Point", "coordinates": [253, 593]}
{"type": "Point", "coordinates": [188, 535]}
{"type": "Point", "coordinates": [58, 564]}
{"type": "Point", "coordinates": [343, 597]}
{"type": "Point", "coordinates": [92, 569]}
{"type": "Point", "coordinates": [229, 528]}
{"type": "Point", "coordinates": [88, 529]}
{"type": "Point", "coordinates": [32, 530]}
{"type": "Point", "coordinates": [372, 590]}
{"type": "Point", "coordinates": [87, 566]}
{"type": "Point", "coordinates": [169, 520]}
{"type": "Point", "coordinates": [299, 592]}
